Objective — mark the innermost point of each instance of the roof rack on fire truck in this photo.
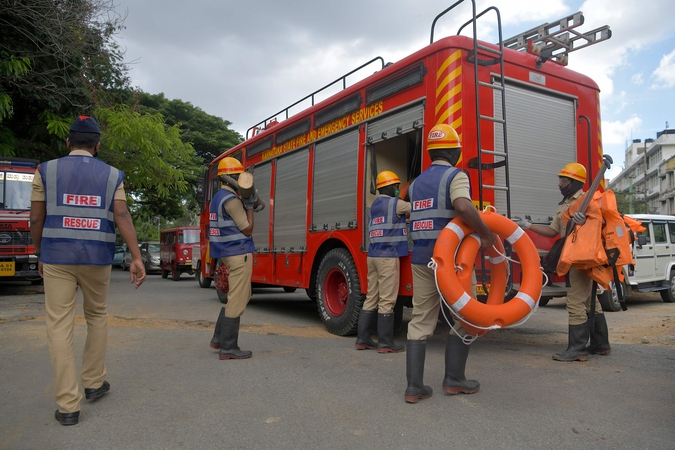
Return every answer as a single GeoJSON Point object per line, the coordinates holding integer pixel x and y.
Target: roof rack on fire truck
{"type": "Point", "coordinates": [273, 119]}
{"type": "Point", "coordinates": [557, 39]}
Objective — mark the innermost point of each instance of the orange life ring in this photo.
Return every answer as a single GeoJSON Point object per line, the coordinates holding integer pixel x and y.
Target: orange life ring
{"type": "Point", "coordinates": [468, 308]}
{"type": "Point", "coordinates": [499, 274]}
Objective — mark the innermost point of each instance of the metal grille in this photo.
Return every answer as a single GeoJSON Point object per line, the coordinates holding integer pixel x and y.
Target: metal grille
{"type": "Point", "coordinates": [14, 238]}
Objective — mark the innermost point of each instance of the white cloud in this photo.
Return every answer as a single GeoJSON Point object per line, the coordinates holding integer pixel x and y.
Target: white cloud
{"type": "Point", "coordinates": [619, 132]}
{"type": "Point", "coordinates": [637, 79]}
{"type": "Point", "coordinates": [665, 73]}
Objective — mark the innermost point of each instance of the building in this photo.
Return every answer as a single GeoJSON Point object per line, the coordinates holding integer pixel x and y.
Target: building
{"type": "Point", "coordinates": [649, 173]}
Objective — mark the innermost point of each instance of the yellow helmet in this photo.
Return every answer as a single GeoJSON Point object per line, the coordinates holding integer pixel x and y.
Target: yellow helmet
{"type": "Point", "coordinates": [385, 178]}
{"type": "Point", "coordinates": [574, 171]}
{"type": "Point", "coordinates": [443, 136]}
{"type": "Point", "coordinates": [229, 166]}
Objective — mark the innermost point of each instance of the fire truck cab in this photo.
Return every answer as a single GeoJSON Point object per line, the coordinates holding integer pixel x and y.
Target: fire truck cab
{"type": "Point", "coordinates": [17, 259]}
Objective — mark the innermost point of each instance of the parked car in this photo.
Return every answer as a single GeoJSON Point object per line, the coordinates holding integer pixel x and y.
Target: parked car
{"type": "Point", "coordinates": [150, 256]}
{"type": "Point", "coordinates": [118, 256]}
{"type": "Point", "coordinates": [126, 259]}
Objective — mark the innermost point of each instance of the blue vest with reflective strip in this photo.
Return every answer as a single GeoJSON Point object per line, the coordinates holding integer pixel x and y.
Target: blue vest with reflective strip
{"type": "Point", "coordinates": [225, 238]}
{"type": "Point", "coordinates": [431, 209]}
{"type": "Point", "coordinates": [387, 230]}
{"type": "Point", "coordinates": [79, 197]}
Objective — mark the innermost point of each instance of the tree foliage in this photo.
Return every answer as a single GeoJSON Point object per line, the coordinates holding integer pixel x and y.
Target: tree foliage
{"type": "Point", "coordinates": [58, 57]}
{"type": "Point", "coordinates": [208, 134]}
{"type": "Point", "coordinates": [628, 203]}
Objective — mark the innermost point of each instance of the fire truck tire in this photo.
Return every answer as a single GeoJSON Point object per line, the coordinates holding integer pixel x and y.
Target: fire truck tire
{"type": "Point", "coordinates": [338, 290]}
{"type": "Point", "coordinates": [289, 289]}
{"type": "Point", "coordinates": [37, 282]}
{"type": "Point", "coordinates": [175, 273]}
{"type": "Point", "coordinates": [222, 296]}
{"type": "Point", "coordinates": [203, 281]}
{"type": "Point", "coordinates": [165, 273]}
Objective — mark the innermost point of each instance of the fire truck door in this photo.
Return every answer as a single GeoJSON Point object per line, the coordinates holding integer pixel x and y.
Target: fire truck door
{"type": "Point", "coordinates": [542, 140]}
{"type": "Point", "coordinates": [262, 174]}
{"type": "Point", "coordinates": [290, 203]}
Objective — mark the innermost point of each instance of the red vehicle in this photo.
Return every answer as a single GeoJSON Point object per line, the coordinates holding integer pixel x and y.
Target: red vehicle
{"type": "Point", "coordinates": [175, 250]}
{"type": "Point", "coordinates": [17, 259]}
{"type": "Point", "coordinates": [316, 169]}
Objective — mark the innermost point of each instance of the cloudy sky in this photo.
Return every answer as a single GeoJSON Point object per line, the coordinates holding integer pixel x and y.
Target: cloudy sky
{"type": "Point", "coordinates": [245, 60]}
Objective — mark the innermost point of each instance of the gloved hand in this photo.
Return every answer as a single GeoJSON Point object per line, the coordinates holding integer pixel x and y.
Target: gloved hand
{"type": "Point", "coordinates": [522, 223]}
{"type": "Point", "coordinates": [249, 202]}
{"type": "Point", "coordinates": [579, 218]}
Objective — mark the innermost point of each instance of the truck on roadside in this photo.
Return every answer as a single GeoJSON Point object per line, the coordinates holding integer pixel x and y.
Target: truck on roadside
{"type": "Point", "coordinates": [175, 251]}
{"type": "Point", "coordinates": [17, 258]}
{"type": "Point", "coordinates": [315, 162]}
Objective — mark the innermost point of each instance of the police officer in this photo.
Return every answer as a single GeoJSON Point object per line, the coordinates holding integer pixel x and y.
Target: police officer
{"type": "Point", "coordinates": [231, 226]}
{"type": "Point", "coordinates": [388, 242]}
{"type": "Point", "coordinates": [75, 204]}
{"type": "Point", "coordinates": [439, 194]}
{"type": "Point", "coordinates": [571, 180]}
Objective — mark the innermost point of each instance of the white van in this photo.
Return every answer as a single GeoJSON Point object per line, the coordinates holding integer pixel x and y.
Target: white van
{"type": "Point", "coordinates": [654, 254]}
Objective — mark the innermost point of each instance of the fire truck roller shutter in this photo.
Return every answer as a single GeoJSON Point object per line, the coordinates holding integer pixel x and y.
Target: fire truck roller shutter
{"type": "Point", "coordinates": [395, 124]}
{"type": "Point", "coordinates": [335, 171]}
{"type": "Point", "coordinates": [290, 202]}
{"type": "Point", "coordinates": [542, 139]}
{"type": "Point", "coordinates": [261, 231]}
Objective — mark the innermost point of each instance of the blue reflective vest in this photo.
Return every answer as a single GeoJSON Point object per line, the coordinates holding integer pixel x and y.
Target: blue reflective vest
{"type": "Point", "coordinates": [431, 209]}
{"type": "Point", "coordinates": [224, 236]}
{"type": "Point", "coordinates": [387, 230]}
{"type": "Point", "coordinates": [79, 198]}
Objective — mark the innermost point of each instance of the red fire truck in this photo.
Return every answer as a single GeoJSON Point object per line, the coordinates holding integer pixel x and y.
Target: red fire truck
{"type": "Point", "coordinates": [17, 260]}
{"type": "Point", "coordinates": [520, 113]}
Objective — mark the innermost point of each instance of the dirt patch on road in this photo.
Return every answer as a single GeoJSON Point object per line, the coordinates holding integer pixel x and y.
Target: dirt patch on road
{"type": "Point", "coordinates": [171, 324]}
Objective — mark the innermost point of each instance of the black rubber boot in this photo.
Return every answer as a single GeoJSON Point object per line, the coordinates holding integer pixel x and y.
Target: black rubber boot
{"type": "Point", "coordinates": [385, 335]}
{"type": "Point", "coordinates": [365, 326]}
{"type": "Point", "coordinates": [414, 371]}
{"type": "Point", "coordinates": [576, 347]}
{"type": "Point", "coordinates": [456, 353]}
{"type": "Point", "coordinates": [600, 337]}
{"type": "Point", "coordinates": [229, 335]}
{"type": "Point", "coordinates": [215, 340]}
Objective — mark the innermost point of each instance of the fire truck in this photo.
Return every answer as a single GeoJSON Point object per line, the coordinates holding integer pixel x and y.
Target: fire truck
{"type": "Point", "coordinates": [521, 115]}
{"type": "Point", "coordinates": [17, 260]}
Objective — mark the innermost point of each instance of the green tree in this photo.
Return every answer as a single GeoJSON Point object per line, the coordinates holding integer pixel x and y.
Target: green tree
{"type": "Point", "coordinates": [631, 203]}
{"type": "Point", "coordinates": [58, 59]}
{"type": "Point", "coordinates": [209, 135]}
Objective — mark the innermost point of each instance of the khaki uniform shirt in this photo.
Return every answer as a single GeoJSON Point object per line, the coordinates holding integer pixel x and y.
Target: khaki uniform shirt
{"type": "Point", "coordinates": [558, 224]}
{"type": "Point", "coordinates": [236, 210]}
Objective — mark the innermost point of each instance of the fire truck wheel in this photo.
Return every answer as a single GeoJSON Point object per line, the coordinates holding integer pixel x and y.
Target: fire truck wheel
{"type": "Point", "coordinates": [37, 282]}
{"type": "Point", "coordinates": [222, 296]}
{"type": "Point", "coordinates": [289, 289]}
{"type": "Point", "coordinates": [204, 282]}
{"type": "Point", "coordinates": [165, 273]}
{"type": "Point", "coordinates": [338, 289]}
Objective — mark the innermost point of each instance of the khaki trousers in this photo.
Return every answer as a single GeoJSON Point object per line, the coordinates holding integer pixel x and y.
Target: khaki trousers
{"type": "Point", "coordinates": [383, 279]}
{"type": "Point", "coordinates": [426, 305]}
{"type": "Point", "coordinates": [241, 269]}
{"type": "Point", "coordinates": [579, 297]}
{"type": "Point", "coordinates": [61, 283]}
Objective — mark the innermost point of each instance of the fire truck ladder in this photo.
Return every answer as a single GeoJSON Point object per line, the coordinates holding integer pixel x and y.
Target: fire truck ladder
{"type": "Point", "coordinates": [499, 159]}
{"type": "Point", "coordinates": [558, 39]}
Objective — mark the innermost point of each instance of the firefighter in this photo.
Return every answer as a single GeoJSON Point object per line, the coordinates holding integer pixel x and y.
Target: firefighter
{"type": "Point", "coordinates": [231, 226]}
{"type": "Point", "coordinates": [76, 202]}
{"type": "Point", "coordinates": [439, 194]}
{"type": "Point", "coordinates": [388, 242]}
{"type": "Point", "coordinates": [571, 180]}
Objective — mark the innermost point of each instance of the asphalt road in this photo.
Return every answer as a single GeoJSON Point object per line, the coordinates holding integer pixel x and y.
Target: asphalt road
{"type": "Point", "coordinates": [305, 388]}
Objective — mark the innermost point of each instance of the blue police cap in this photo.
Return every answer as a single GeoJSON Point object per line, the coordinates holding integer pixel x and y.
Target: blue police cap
{"type": "Point", "coordinates": [85, 124]}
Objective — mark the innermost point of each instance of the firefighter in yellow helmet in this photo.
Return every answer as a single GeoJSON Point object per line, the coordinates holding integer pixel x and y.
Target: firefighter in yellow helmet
{"type": "Point", "coordinates": [230, 229]}
{"type": "Point", "coordinates": [388, 237]}
{"type": "Point", "coordinates": [571, 180]}
{"type": "Point", "coordinates": [439, 194]}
